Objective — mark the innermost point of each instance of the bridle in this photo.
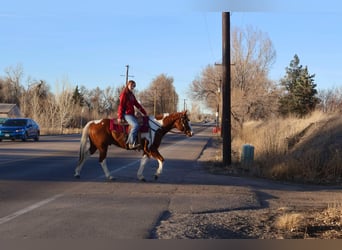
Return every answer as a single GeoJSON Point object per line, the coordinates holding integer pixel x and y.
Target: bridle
{"type": "Point", "coordinates": [183, 121]}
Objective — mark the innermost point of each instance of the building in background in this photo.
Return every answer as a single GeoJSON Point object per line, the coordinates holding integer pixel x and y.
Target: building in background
{"type": "Point", "coordinates": [8, 110]}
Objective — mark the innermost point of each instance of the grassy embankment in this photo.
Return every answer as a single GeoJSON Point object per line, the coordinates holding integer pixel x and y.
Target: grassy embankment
{"type": "Point", "coordinates": [305, 150]}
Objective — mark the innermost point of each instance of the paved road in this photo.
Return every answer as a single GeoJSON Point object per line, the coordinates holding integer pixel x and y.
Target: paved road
{"type": "Point", "coordinates": [40, 199]}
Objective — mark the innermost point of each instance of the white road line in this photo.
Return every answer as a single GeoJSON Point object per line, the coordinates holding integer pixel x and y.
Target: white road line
{"type": "Point", "coordinates": [125, 166]}
{"type": "Point", "coordinates": [119, 169]}
{"type": "Point", "coordinates": [28, 209]}
{"type": "Point", "coordinates": [16, 160]}
{"type": "Point", "coordinates": [137, 161]}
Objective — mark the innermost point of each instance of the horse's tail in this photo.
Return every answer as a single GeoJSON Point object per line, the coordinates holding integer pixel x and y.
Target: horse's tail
{"type": "Point", "coordinates": [85, 134]}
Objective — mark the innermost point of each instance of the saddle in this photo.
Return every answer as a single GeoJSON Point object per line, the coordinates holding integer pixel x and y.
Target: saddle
{"type": "Point", "coordinates": [124, 127]}
{"type": "Point", "coordinates": [120, 131]}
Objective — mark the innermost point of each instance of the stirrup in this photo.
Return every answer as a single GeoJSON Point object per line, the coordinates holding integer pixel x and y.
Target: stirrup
{"type": "Point", "coordinates": [133, 146]}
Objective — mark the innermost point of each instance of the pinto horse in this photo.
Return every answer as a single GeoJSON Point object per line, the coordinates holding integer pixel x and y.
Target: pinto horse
{"type": "Point", "coordinates": [101, 136]}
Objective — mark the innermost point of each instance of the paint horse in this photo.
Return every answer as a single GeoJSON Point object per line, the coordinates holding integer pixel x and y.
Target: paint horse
{"type": "Point", "coordinates": [101, 135]}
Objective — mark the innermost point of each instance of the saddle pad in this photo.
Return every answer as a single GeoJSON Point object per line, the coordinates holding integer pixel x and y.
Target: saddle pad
{"type": "Point", "coordinates": [144, 126]}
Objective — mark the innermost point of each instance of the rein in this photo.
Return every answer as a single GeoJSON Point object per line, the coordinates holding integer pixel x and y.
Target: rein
{"type": "Point", "coordinates": [160, 127]}
{"type": "Point", "coordinates": [175, 132]}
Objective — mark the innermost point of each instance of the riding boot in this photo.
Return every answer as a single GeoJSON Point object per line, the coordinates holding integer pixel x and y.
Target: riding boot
{"type": "Point", "coordinates": [135, 145]}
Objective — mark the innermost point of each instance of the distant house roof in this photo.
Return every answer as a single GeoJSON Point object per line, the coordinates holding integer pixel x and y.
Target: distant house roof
{"type": "Point", "coordinates": [9, 110]}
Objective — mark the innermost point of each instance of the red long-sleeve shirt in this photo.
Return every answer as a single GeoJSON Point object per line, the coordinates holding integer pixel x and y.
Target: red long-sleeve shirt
{"type": "Point", "coordinates": [127, 103]}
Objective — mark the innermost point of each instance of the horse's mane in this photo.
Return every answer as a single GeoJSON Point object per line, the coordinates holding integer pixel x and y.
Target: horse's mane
{"type": "Point", "coordinates": [171, 117]}
{"type": "Point", "coordinates": [159, 117]}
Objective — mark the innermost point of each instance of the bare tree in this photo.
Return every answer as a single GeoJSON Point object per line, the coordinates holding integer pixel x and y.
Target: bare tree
{"type": "Point", "coordinates": [65, 105]}
{"type": "Point", "coordinates": [7, 92]}
{"type": "Point", "coordinates": [196, 114]}
{"type": "Point", "coordinates": [109, 101]}
{"type": "Point", "coordinates": [252, 55]}
{"type": "Point", "coordinates": [14, 76]}
{"type": "Point", "coordinates": [207, 87]}
{"type": "Point", "coordinates": [161, 96]}
{"type": "Point", "coordinates": [32, 102]}
{"type": "Point", "coordinates": [253, 94]}
{"type": "Point", "coordinates": [49, 118]}
{"type": "Point", "coordinates": [331, 100]}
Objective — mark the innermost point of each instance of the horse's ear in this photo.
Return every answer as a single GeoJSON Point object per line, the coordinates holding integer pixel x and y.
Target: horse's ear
{"type": "Point", "coordinates": [184, 112]}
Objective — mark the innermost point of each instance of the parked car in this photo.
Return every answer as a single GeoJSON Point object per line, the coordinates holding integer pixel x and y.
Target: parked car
{"type": "Point", "coordinates": [19, 128]}
{"type": "Point", "coordinates": [2, 120]}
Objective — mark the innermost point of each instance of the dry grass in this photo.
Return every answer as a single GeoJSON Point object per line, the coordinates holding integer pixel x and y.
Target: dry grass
{"type": "Point", "coordinates": [305, 150]}
{"type": "Point", "coordinates": [334, 213]}
{"type": "Point", "coordinates": [312, 224]}
{"type": "Point", "coordinates": [272, 137]}
{"type": "Point", "coordinates": [289, 222]}
{"type": "Point", "coordinates": [324, 224]}
{"type": "Point", "coordinates": [54, 131]}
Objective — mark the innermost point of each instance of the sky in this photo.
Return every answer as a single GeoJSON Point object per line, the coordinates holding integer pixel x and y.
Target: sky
{"type": "Point", "coordinates": [90, 43]}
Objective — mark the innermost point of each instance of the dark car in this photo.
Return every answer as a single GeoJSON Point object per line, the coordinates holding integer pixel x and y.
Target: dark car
{"type": "Point", "coordinates": [19, 128]}
{"type": "Point", "coordinates": [2, 120]}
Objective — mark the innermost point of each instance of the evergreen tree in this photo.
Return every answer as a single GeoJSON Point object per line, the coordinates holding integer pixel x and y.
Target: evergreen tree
{"type": "Point", "coordinates": [300, 90]}
{"type": "Point", "coordinates": [77, 97]}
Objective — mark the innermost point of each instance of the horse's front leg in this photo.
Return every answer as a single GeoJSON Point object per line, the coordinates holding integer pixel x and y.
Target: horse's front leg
{"type": "Point", "coordinates": [159, 169]}
{"type": "Point", "coordinates": [143, 162]}
{"type": "Point", "coordinates": [106, 171]}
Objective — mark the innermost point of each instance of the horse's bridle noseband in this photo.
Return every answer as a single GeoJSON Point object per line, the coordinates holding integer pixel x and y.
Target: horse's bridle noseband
{"type": "Point", "coordinates": [183, 120]}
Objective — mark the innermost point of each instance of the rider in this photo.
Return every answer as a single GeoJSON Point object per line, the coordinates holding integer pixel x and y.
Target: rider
{"type": "Point", "coordinates": [126, 112]}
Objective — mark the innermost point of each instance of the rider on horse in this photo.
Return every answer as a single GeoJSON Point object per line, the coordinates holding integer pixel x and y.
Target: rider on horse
{"type": "Point", "coordinates": [126, 112]}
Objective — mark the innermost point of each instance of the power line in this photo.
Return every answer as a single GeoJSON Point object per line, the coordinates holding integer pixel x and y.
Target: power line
{"type": "Point", "coordinates": [208, 36]}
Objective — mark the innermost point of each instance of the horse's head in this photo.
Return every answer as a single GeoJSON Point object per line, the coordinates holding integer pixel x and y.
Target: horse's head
{"type": "Point", "coordinates": [183, 124]}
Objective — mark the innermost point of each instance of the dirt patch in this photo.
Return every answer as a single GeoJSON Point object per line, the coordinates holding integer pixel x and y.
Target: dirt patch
{"type": "Point", "coordinates": [250, 224]}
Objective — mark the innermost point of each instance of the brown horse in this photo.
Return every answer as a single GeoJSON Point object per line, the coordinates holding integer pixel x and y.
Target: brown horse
{"type": "Point", "coordinates": [101, 136]}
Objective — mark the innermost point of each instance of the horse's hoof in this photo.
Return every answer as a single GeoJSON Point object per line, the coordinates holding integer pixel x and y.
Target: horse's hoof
{"type": "Point", "coordinates": [77, 176]}
{"type": "Point", "coordinates": [155, 177]}
{"type": "Point", "coordinates": [110, 178]}
{"type": "Point", "coordinates": [143, 180]}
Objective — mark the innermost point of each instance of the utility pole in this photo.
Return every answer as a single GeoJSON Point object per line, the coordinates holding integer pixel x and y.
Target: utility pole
{"type": "Point", "coordinates": [127, 67]}
{"type": "Point", "coordinates": [226, 100]}
{"type": "Point", "coordinates": [155, 102]}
